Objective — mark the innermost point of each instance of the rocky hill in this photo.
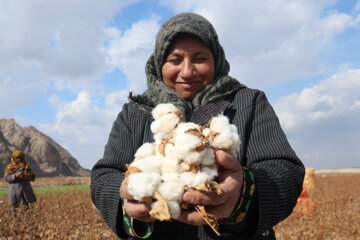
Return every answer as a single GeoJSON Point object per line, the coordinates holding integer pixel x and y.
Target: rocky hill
{"type": "Point", "coordinates": [45, 156]}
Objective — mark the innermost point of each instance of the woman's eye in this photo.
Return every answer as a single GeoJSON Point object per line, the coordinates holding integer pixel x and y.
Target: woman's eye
{"type": "Point", "coordinates": [200, 59]}
{"type": "Point", "coordinates": [174, 60]}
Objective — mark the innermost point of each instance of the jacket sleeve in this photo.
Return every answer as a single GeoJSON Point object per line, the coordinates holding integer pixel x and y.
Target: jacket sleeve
{"type": "Point", "coordinates": [278, 172]}
{"type": "Point", "coordinates": [9, 177]}
{"type": "Point", "coordinates": [108, 173]}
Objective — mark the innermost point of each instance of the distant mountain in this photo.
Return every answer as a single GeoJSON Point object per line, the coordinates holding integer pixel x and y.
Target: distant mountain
{"type": "Point", "coordinates": [45, 156]}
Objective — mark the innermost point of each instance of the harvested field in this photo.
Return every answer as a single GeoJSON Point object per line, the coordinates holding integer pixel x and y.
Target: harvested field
{"type": "Point", "coordinates": [71, 215]}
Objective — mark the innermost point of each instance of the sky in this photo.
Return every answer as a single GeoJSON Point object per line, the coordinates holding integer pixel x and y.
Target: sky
{"type": "Point", "coordinates": [66, 67]}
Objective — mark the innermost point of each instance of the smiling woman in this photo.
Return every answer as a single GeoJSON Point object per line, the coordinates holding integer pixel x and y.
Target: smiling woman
{"type": "Point", "coordinates": [259, 185]}
{"type": "Point", "coordinates": [189, 66]}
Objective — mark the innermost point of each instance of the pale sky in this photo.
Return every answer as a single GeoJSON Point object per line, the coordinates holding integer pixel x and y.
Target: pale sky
{"type": "Point", "coordinates": [66, 67]}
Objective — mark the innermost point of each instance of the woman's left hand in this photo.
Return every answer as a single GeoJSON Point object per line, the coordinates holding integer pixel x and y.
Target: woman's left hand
{"type": "Point", "coordinates": [230, 179]}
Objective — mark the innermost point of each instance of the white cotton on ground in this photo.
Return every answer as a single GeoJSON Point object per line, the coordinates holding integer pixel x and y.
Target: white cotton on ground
{"type": "Point", "coordinates": [143, 184]}
{"type": "Point", "coordinates": [148, 164]}
{"type": "Point", "coordinates": [163, 109]}
{"type": "Point", "coordinates": [165, 124]}
{"type": "Point", "coordinates": [209, 156]}
{"type": "Point", "coordinates": [175, 209]}
{"type": "Point", "coordinates": [146, 150]}
{"type": "Point", "coordinates": [171, 191]}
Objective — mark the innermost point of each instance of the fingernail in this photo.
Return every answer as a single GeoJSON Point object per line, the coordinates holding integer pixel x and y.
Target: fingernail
{"type": "Point", "coordinates": [188, 198]}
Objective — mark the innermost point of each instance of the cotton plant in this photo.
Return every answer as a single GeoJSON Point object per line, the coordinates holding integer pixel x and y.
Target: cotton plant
{"type": "Point", "coordinates": [182, 158]}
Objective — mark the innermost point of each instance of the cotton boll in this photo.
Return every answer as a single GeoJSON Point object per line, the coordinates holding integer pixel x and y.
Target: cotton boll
{"type": "Point", "coordinates": [186, 143]}
{"type": "Point", "coordinates": [212, 173]}
{"type": "Point", "coordinates": [163, 109]}
{"type": "Point", "coordinates": [200, 178]}
{"type": "Point", "coordinates": [187, 178]}
{"type": "Point", "coordinates": [146, 150]}
{"type": "Point", "coordinates": [148, 164]}
{"type": "Point", "coordinates": [170, 177]}
{"type": "Point", "coordinates": [175, 209]}
{"type": "Point", "coordinates": [235, 138]}
{"type": "Point", "coordinates": [206, 132]}
{"type": "Point", "coordinates": [171, 190]}
{"type": "Point", "coordinates": [209, 157]}
{"type": "Point", "coordinates": [169, 162]}
{"type": "Point", "coordinates": [158, 137]}
{"type": "Point", "coordinates": [143, 184]}
{"type": "Point", "coordinates": [221, 131]}
{"type": "Point", "coordinates": [165, 124]}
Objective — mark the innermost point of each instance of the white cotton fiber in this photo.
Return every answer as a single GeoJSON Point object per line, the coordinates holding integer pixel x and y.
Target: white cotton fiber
{"type": "Point", "coordinates": [186, 143]}
{"type": "Point", "coordinates": [170, 177]}
{"type": "Point", "coordinates": [222, 132]}
{"type": "Point", "coordinates": [201, 178]}
{"type": "Point", "coordinates": [143, 184]}
{"type": "Point", "coordinates": [183, 154]}
{"type": "Point", "coordinates": [148, 164]}
{"type": "Point", "coordinates": [212, 173]}
{"type": "Point", "coordinates": [171, 191]}
{"type": "Point", "coordinates": [174, 209]}
{"type": "Point", "coordinates": [146, 150]}
{"type": "Point", "coordinates": [170, 162]}
{"type": "Point", "coordinates": [188, 178]}
{"type": "Point", "coordinates": [163, 109]}
{"type": "Point", "coordinates": [209, 157]}
{"type": "Point", "coordinates": [165, 124]}
{"type": "Point", "coordinates": [206, 132]}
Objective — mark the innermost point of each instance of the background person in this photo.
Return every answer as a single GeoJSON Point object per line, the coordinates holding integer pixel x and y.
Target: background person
{"type": "Point", "coordinates": [260, 187]}
{"type": "Point", "coordinates": [19, 174]}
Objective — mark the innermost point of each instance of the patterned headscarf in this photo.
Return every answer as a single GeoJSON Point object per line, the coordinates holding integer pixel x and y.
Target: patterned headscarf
{"type": "Point", "coordinates": [201, 28]}
{"type": "Point", "coordinates": [14, 166]}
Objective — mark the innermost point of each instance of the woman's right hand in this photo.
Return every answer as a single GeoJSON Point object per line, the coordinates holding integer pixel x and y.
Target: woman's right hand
{"type": "Point", "coordinates": [134, 208]}
{"type": "Point", "coordinates": [19, 175]}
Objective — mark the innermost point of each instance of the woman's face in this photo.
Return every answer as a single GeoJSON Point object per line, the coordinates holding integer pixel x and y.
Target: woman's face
{"type": "Point", "coordinates": [18, 159]}
{"type": "Point", "coordinates": [188, 67]}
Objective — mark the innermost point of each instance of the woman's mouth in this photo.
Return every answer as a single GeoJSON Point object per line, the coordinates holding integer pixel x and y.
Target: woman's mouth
{"type": "Point", "coordinates": [187, 84]}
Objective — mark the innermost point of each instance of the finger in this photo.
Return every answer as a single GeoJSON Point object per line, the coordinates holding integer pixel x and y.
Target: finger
{"type": "Point", "coordinates": [226, 160]}
{"type": "Point", "coordinates": [191, 217]}
{"type": "Point", "coordinates": [124, 193]}
{"type": "Point", "coordinates": [136, 209]}
{"type": "Point", "coordinates": [203, 198]}
{"type": "Point", "coordinates": [220, 211]}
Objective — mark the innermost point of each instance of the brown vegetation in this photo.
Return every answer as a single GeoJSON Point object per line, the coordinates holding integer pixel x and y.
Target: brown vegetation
{"type": "Point", "coordinates": [337, 214]}
{"type": "Point", "coordinates": [71, 215]}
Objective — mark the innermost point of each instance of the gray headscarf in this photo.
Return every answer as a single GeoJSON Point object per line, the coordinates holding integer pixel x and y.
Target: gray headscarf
{"type": "Point", "coordinates": [158, 92]}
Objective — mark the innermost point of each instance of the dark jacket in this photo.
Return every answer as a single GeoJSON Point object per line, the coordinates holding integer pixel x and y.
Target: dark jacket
{"type": "Point", "coordinates": [264, 150]}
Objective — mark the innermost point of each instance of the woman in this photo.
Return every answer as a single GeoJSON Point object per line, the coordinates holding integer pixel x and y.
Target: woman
{"type": "Point", "coordinates": [260, 186]}
{"type": "Point", "coordinates": [19, 174]}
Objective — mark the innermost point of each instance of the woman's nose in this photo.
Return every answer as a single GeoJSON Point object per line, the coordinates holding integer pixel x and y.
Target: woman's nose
{"type": "Point", "coordinates": [188, 69]}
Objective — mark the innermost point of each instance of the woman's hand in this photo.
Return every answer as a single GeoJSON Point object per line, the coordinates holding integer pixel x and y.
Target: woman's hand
{"type": "Point", "coordinates": [19, 175]}
{"type": "Point", "coordinates": [133, 208]}
{"type": "Point", "coordinates": [221, 206]}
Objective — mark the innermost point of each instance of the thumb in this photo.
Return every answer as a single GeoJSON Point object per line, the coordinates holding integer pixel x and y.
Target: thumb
{"type": "Point", "coordinates": [226, 160]}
